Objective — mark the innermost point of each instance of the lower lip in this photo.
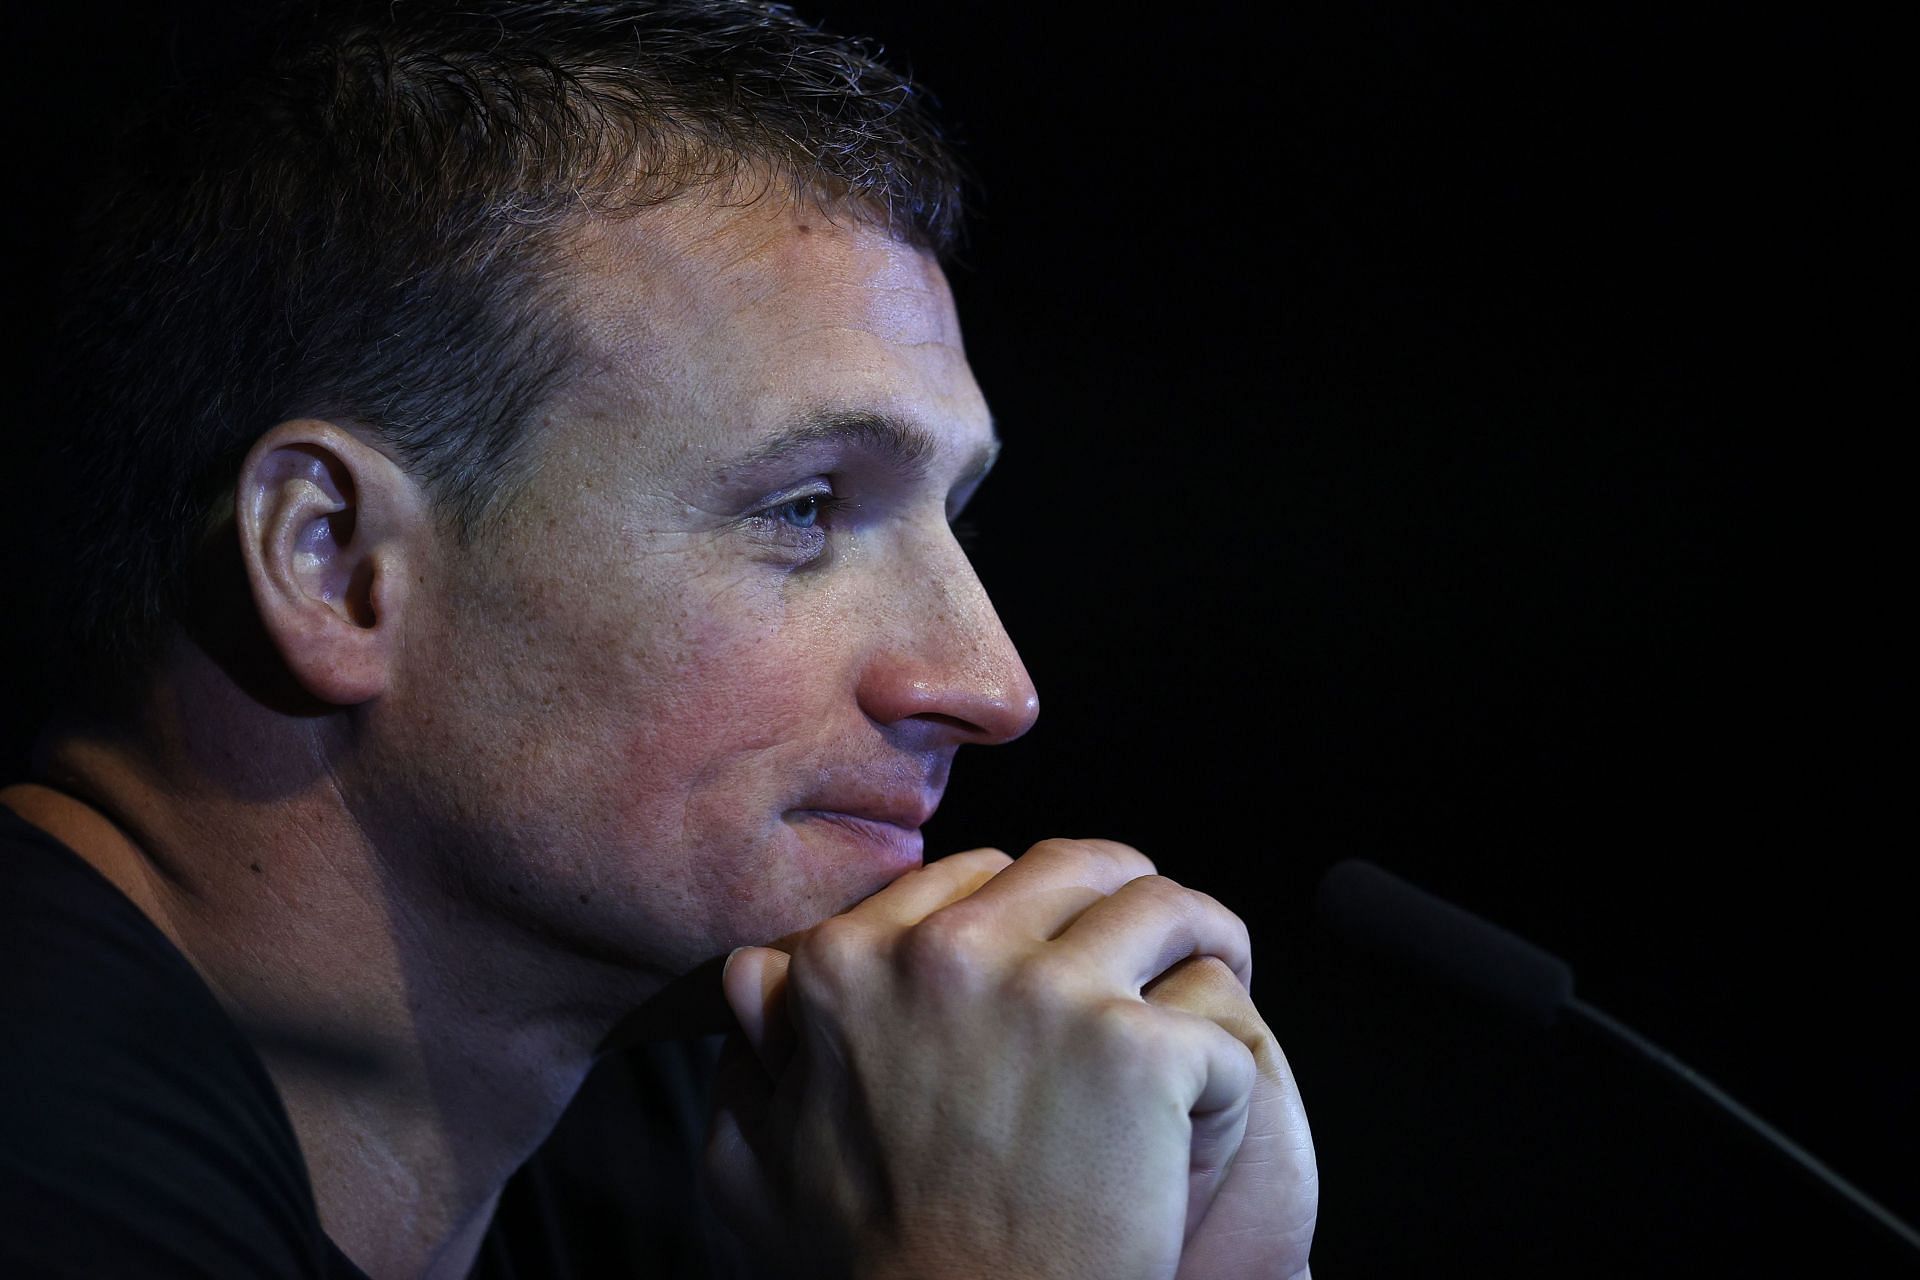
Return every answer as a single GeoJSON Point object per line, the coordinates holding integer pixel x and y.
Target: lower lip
{"type": "Point", "coordinates": [897, 846]}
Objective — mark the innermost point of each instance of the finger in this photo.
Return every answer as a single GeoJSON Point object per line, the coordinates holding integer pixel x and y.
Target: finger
{"type": "Point", "coordinates": [914, 896]}
{"type": "Point", "coordinates": [1048, 887]}
{"type": "Point", "coordinates": [1269, 1135]}
{"type": "Point", "coordinates": [1205, 988]}
{"type": "Point", "coordinates": [1219, 1119]}
{"type": "Point", "coordinates": [1205, 985]}
{"type": "Point", "coordinates": [1219, 1077]}
{"type": "Point", "coordinates": [1142, 929]}
{"type": "Point", "coordinates": [754, 982]}
{"type": "Point", "coordinates": [692, 1004]}
{"type": "Point", "coordinates": [1268, 1193]}
{"type": "Point", "coordinates": [1218, 1023]}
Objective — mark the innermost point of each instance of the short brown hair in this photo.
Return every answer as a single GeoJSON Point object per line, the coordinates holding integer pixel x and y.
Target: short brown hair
{"type": "Point", "coordinates": [366, 224]}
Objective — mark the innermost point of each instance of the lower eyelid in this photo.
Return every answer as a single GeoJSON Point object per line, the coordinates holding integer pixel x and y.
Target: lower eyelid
{"type": "Point", "coordinates": [790, 542]}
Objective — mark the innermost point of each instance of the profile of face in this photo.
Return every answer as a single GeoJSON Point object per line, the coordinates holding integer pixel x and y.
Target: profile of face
{"type": "Point", "coordinates": [707, 681]}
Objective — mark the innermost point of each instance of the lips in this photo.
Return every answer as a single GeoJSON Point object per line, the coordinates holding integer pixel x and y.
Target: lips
{"type": "Point", "coordinates": [885, 822]}
{"type": "Point", "coordinates": [908, 813]}
{"type": "Point", "coordinates": [895, 846]}
{"type": "Point", "coordinates": [902, 791]}
{"type": "Point", "coordinates": [868, 812]}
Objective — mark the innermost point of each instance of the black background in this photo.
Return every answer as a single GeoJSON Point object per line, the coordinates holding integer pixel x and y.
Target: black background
{"type": "Point", "coordinates": [1455, 436]}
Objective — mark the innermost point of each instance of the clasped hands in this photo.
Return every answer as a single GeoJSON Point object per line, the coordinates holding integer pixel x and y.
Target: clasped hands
{"type": "Point", "coordinates": [1039, 1068]}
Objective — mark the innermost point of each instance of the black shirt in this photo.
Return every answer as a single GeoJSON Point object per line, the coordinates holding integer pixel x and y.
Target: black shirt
{"type": "Point", "coordinates": [140, 1134]}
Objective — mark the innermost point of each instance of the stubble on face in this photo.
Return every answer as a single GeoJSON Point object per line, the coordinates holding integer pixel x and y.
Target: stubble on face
{"type": "Point", "coordinates": [628, 693]}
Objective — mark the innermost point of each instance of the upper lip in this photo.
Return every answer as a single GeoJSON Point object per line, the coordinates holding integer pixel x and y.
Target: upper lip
{"type": "Point", "coordinates": [898, 790]}
{"type": "Point", "coordinates": [909, 810]}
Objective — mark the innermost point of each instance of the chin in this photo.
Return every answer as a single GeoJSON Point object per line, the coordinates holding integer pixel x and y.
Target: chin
{"type": "Point", "coordinates": [805, 905]}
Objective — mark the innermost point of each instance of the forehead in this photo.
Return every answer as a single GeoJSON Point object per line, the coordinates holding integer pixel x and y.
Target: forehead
{"type": "Point", "coordinates": [736, 318]}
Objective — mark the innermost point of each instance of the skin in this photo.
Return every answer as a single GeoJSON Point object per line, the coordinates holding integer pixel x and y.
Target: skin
{"type": "Point", "coordinates": [1152, 1128]}
{"type": "Point", "coordinates": [697, 691]}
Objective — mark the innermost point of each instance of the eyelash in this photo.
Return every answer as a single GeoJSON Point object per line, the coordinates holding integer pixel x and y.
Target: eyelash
{"type": "Point", "coordinates": [808, 535]}
{"type": "Point", "coordinates": [824, 504]}
{"type": "Point", "coordinates": [776, 524]}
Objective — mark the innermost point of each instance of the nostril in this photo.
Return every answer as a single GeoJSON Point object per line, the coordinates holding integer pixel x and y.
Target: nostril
{"type": "Point", "coordinates": [955, 722]}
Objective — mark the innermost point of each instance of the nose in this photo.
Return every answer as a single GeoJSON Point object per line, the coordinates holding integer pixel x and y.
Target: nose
{"type": "Point", "coordinates": [945, 662]}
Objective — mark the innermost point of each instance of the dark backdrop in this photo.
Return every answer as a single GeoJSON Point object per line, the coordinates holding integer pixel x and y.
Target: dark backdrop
{"type": "Point", "coordinates": [1452, 436]}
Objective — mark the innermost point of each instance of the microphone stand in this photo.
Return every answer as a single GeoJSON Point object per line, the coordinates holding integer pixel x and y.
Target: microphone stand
{"type": "Point", "coordinates": [1626, 1035]}
{"type": "Point", "coordinates": [1373, 910]}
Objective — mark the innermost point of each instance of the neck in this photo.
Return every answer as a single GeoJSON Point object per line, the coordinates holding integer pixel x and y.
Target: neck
{"type": "Point", "coordinates": [421, 1051]}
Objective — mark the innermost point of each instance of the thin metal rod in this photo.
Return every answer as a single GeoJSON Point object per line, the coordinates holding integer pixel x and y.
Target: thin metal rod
{"type": "Point", "coordinates": [1870, 1206]}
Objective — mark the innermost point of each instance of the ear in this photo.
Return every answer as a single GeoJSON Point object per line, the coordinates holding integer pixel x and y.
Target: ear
{"type": "Point", "coordinates": [330, 528]}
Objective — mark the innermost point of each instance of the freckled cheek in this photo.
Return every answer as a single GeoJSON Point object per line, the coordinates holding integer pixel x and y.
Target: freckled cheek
{"type": "Point", "coordinates": [737, 714]}
{"type": "Point", "coordinates": [729, 709]}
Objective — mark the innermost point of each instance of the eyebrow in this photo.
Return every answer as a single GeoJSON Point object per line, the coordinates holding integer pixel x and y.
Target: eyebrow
{"type": "Point", "coordinates": [903, 446]}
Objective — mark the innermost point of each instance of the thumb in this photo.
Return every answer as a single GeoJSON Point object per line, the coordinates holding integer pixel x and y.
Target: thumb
{"type": "Point", "coordinates": [755, 985]}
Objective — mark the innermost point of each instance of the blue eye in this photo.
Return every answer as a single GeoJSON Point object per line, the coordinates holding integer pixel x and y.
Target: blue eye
{"type": "Point", "coordinates": [800, 513]}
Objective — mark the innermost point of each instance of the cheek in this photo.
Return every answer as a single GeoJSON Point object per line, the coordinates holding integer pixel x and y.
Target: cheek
{"type": "Point", "coordinates": [754, 647]}
{"type": "Point", "coordinates": [753, 709]}
{"type": "Point", "coordinates": [728, 704]}
{"type": "Point", "coordinates": [704, 682]}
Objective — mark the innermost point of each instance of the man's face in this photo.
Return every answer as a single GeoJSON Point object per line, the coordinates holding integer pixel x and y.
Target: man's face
{"type": "Point", "coordinates": [709, 679]}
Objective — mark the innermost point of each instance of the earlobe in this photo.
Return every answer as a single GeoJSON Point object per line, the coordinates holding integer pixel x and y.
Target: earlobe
{"type": "Point", "coordinates": [327, 524]}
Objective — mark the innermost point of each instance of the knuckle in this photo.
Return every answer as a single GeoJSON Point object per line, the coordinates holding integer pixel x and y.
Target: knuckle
{"type": "Point", "coordinates": [1159, 886]}
{"type": "Point", "coordinates": [1212, 971]}
{"type": "Point", "coordinates": [1166, 897]}
{"type": "Point", "coordinates": [829, 955]}
{"type": "Point", "coordinates": [1116, 1022]}
{"type": "Point", "coordinates": [1209, 903]}
{"type": "Point", "coordinates": [1047, 979]}
{"type": "Point", "coordinates": [1125, 854]}
{"type": "Point", "coordinates": [986, 859]}
{"type": "Point", "coordinates": [1174, 898]}
{"type": "Point", "coordinates": [1100, 854]}
{"type": "Point", "coordinates": [940, 939]}
{"type": "Point", "coordinates": [1130, 860]}
{"type": "Point", "coordinates": [1131, 1037]}
{"type": "Point", "coordinates": [944, 950]}
{"type": "Point", "coordinates": [1055, 847]}
{"type": "Point", "coordinates": [1220, 917]}
{"type": "Point", "coordinates": [1226, 1005]}
{"type": "Point", "coordinates": [1221, 911]}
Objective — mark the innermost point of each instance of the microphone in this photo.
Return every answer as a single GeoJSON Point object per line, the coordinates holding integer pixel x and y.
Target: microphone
{"type": "Point", "coordinates": [1377, 913]}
